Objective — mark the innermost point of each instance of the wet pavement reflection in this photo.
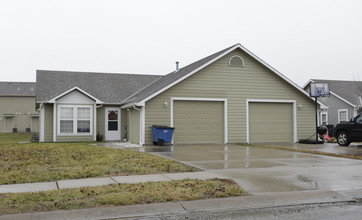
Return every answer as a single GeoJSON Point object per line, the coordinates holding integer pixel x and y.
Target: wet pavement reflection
{"type": "Point", "coordinates": [261, 170]}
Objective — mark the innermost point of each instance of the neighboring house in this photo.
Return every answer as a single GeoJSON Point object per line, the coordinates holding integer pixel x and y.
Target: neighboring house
{"type": "Point", "coordinates": [344, 101]}
{"type": "Point", "coordinates": [17, 107]}
{"type": "Point", "coordinates": [230, 96]}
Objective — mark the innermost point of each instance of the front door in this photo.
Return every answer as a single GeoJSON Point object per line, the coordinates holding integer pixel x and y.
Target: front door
{"type": "Point", "coordinates": [112, 126]}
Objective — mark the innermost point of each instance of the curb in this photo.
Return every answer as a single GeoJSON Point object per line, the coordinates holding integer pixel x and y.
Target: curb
{"type": "Point", "coordinates": [259, 201]}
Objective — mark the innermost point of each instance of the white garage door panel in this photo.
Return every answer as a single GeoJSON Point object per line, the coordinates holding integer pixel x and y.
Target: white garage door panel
{"type": "Point", "coordinates": [198, 122]}
{"type": "Point", "coordinates": [270, 122]}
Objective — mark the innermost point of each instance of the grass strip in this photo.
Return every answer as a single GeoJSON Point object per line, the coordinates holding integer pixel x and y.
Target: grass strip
{"type": "Point", "coordinates": [118, 195]}
{"type": "Point", "coordinates": [305, 151]}
{"type": "Point", "coordinates": [7, 138]}
{"type": "Point", "coordinates": [40, 162]}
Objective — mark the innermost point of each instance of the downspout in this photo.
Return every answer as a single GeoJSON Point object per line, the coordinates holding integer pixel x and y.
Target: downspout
{"type": "Point", "coordinates": [140, 140]}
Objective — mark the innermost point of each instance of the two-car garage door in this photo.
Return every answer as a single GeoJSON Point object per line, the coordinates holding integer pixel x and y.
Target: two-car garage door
{"type": "Point", "coordinates": [201, 122]}
{"type": "Point", "coordinates": [198, 122]}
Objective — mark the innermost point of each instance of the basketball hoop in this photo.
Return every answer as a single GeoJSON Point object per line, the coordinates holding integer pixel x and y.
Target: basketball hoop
{"type": "Point", "coordinates": [318, 90]}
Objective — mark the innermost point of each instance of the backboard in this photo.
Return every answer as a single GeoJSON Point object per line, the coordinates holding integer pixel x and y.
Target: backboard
{"type": "Point", "coordinates": [320, 89]}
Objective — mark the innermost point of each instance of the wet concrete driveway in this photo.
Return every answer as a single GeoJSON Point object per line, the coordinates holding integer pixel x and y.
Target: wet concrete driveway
{"type": "Point", "coordinates": [261, 170]}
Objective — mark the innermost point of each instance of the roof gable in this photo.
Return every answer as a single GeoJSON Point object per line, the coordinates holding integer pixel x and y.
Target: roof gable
{"type": "Point", "coordinates": [175, 77]}
{"type": "Point", "coordinates": [53, 100]}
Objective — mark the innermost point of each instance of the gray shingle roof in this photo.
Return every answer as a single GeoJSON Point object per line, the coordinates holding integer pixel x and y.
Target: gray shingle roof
{"type": "Point", "coordinates": [170, 78]}
{"type": "Point", "coordinates": [17, 88]}
{"type": "Point", "coordinates": [107, 87]}
{"type": "Point", "coordinates": [348, 90]}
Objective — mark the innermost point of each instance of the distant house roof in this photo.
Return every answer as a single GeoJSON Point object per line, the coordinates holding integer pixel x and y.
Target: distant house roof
{"type": "Point", "coordinates": [107, 87]}
{"type": "Point", "coordinates": [17, 88]}
{"type": "Point", "coordinates": [349, 91]}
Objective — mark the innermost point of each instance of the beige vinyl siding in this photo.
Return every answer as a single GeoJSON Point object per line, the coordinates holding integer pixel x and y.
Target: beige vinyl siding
{"type": "Point", "coordinates": [199, 122]}
{"type": "Point", "coordinates": [21, 107]}
{"type": "Point", "coordinates": [236, 84]}
{"type": "Point", "coordinates": [124, 120]}
{"type": "Point", "coordinates": [35, 124]}
{"type": "Point", "coordinates": [135, 126]}
{"type": "Point", "coordinates": [48, 122]}
{"type": "Point", "coordinates": [74, 138]}
{"type": "Point", "coordinates": [100, 121]}
{"type": "Point", "coordinates": [270, 122]}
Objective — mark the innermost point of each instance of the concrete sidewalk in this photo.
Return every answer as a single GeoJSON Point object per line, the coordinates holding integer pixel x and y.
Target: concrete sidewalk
{"type": "Point", "coordinates": [184, 209]}
{"type": "Point", "coordinates": [102, 181]}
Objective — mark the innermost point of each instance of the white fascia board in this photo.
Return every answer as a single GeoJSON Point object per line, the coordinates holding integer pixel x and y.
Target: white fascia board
{"type": "Point", "coordinates": [190, 74]}
{"type": "Point", "coordinates": [133, 104]}
{"type": "Point", "coordinates": [343, 99]}
{"type": "Point", "coordinates": [305, 85]}
{"type": "Point", "coordinates": [71, 90]}
{"type": "Point", "coordinates": [222, 55]}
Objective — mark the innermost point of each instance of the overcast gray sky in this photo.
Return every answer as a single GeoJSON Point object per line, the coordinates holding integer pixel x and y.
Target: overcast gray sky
{"type": "Point", "coordinates": [301, 39]}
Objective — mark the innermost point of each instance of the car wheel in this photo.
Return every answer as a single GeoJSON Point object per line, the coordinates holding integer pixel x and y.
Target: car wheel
{"type": "Point", "coordinates": [343, 139]}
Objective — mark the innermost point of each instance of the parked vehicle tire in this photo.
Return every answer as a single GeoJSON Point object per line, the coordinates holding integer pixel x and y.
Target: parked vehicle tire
{"type": "Point", "coordinates": [343, 138]}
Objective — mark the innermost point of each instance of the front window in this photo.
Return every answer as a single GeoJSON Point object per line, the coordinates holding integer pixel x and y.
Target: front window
{"type": "Point", "coordinates": [324, 118]}
{"type": "Point", "coordinates": [83, 120]}
{"type": "Point", "coordinates": [342, 115]}
{"type": "Point", "coordinates": [75, 120]}
{"type": "Point", "coordinates": [66, 120]}
{"type": "Point", "coordinates": [112, 120]}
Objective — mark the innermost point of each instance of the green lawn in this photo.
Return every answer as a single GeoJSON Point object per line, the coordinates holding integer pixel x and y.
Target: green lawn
{"type": "Point", "coordinates": [6, 138]}
{"type": "Point", "coordinates": [116, 195]}
{"type": "Point", "coordinates": [40, 162]}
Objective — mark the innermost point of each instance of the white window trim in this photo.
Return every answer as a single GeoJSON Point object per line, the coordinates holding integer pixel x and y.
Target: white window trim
{"type": "Point", "coordinates": [75, 112]}
{"type": "Point", "coordinates": [242, 61]}
{"type": "Point", "coordinates": [272, 101]}
{"type": "Point", "coordinates": [324, 113]}
{"type": "Point", "coordinates": [342, 110]}
{"type": "Point", "coordinates": [204, 99]}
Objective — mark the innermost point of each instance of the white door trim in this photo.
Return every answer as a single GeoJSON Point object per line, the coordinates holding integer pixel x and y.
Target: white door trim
{"type": "Point", "coordinates": [106, 121]}
{"type": "Point", "coordinates": [272, 101]}
{"type": "Point", "coordinates": [204, 99]}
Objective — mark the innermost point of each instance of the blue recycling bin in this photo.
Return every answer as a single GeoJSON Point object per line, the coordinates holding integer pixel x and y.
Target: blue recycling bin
{"type": "Point", "coordinates": [162, 134]}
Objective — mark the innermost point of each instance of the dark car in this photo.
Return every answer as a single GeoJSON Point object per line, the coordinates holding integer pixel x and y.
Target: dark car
{"type": "Point", "coordinates": [348, 132]}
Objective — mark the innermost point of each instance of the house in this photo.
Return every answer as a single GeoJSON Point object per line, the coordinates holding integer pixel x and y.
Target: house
{"type": "Point", "coordinates": [230, 96]}
{"type": "Point", "coordinates": [17, 107]}
{"type": "Point", "coordinates": [344, 101]}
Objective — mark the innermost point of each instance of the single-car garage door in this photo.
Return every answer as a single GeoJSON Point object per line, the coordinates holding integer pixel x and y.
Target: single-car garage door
{"type": "Point", "coordinates": [198, 122]}
{"type": "Point", "coordinates": [270, 122]}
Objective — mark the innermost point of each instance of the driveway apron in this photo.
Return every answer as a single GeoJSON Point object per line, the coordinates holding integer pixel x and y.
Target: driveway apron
{"type": "Point", "coordinates": [260, 170]}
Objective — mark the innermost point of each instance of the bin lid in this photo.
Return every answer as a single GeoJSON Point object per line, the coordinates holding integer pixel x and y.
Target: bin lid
{"type": "Point", "coordinates": [162, 127]}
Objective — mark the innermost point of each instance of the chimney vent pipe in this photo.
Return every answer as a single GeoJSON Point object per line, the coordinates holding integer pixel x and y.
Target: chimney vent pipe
{"type": "Point", "coordinates": [177, 65]}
